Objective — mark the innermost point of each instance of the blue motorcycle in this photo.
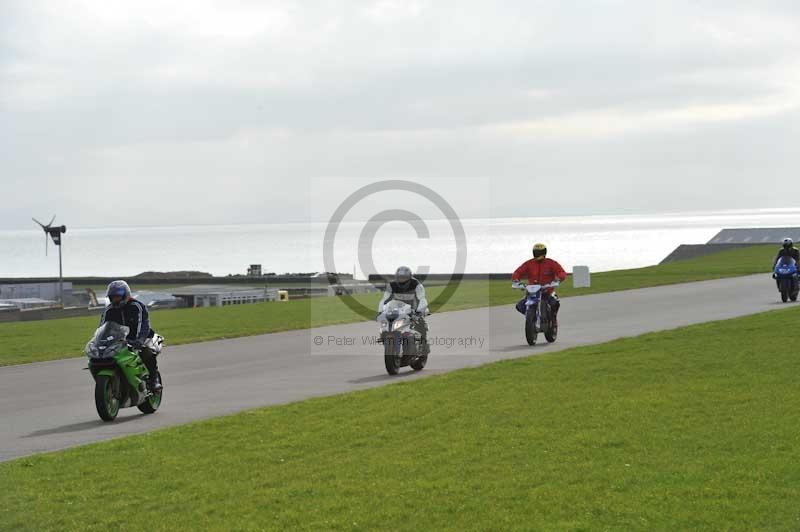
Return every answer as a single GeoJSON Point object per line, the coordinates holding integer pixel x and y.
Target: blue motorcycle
{"type": "Point", "coordinates": [539, 315]}
{"type": "Point", "coordinates": [786, 275]}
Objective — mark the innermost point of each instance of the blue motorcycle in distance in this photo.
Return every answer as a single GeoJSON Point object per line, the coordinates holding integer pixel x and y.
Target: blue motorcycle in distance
{"type": "Point", "coordinates": [786, 275]}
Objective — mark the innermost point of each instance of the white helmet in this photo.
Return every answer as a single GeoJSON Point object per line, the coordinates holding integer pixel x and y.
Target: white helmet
{"type": "Point", "coordinates": [787, 243]}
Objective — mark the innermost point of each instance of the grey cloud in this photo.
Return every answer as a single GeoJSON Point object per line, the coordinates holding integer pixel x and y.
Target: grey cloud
{"type": "Point", "coordinates": [371, 90]}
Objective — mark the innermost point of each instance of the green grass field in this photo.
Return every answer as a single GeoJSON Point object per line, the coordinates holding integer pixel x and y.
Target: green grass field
{"type": "Point", "coordinates": [691, 429]}
{"type": "Point", "coordinates": [22, 342]}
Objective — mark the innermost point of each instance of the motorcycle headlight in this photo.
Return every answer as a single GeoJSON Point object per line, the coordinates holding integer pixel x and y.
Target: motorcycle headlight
{"type": "Point", "coordinates": [90, 350]}
{"type": "Point", "coordinates": [402, 322]}
{"type": "Point", "coordinates": [102, 351]}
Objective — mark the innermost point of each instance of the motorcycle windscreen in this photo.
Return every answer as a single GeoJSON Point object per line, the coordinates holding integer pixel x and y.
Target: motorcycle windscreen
{"type": "Point", "coordinates": [108, 339]}
{"type": "Point", "coordinates": [786, 265]}
{"type": "Point", "coordinates": [396, 308]}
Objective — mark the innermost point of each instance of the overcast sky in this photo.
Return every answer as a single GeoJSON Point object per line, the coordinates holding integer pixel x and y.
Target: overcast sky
{"type": "Point", "coordinates": [130, 113]}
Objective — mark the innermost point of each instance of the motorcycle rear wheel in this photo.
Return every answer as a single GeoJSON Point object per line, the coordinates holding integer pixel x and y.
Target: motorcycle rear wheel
{"type": "Point", "coordinates": [152, 402]}
{"type": "Point", "coordinates": [551, 334]}
{"type": "Point", "coordinates": [419, 363]}
{"type": "Point", "coordinates": [106, 397]}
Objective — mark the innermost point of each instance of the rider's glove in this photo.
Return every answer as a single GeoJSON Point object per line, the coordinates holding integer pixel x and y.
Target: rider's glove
{"type": "Point", "coordinates": [135, 345]}
{"type": "Point", "coordinates": [774, 275]}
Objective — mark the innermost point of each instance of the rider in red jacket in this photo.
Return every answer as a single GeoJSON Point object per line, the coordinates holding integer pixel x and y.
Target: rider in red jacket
{"type": "Point", "coordinates": [540, 270]}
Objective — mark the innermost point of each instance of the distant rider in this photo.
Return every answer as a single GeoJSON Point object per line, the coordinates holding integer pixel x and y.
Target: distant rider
{"type": "Point", "coordinates": [408, 289]}
{"type": "Point", "coordinates": [124, 309]}
{"type": "Point", "coordinates": [787, 250]}
{"type": "Point", "coordinates": [540, 270]}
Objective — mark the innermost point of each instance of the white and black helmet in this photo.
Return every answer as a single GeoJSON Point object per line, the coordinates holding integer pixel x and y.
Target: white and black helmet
{"type": "Point", "coordinates": [118, 289]}
{"type": "Point", "coordinates": [787, 243]}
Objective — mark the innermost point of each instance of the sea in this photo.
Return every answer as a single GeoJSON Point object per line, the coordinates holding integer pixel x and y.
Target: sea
{"type": "Point", "coordinates": [602, 242]}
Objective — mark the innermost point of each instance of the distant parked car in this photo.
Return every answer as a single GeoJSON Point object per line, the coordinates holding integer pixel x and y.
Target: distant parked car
{"type": "Point", "coordinates": [156, 300]}
{"type": "Point", "coordinates": [163, 303]}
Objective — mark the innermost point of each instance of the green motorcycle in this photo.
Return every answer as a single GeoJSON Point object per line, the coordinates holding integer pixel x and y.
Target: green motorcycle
{"type": "Point", "coordinates": [120, 376]}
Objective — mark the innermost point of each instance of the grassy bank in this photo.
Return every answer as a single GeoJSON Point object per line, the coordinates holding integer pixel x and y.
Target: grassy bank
{"type": "Point", "coordinates": [23, 342]}
{"type": "Point", "coordinates": [683, 430]}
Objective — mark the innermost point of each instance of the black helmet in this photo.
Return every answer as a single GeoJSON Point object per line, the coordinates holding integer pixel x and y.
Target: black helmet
{"type": "Point", "coordinates": [118, 289]}
{"type": "Point", "coordinates": [787, 243]}
{"type": "Point", "coordinates": [403, 276]}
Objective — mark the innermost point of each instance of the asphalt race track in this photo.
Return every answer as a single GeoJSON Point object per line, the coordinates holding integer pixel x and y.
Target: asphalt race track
{"type": "Point", "coordinates": [50, 405]}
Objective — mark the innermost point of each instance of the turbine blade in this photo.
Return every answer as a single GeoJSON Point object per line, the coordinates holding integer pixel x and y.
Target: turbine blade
{"type": "Point", "coordinates": [38, 222]}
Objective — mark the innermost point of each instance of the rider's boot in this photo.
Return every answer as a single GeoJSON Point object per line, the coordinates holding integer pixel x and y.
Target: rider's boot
{"type": "Point", "coordinates": [422, 328]}
{"type": "Point", "coordinates": [154, 383]}
{"type": "Point", "coordinates": [556, 306]}
{"type": "Point", "coordinates": [149, 360]}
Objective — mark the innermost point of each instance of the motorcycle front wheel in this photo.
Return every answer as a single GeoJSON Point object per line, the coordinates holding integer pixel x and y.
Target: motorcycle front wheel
{"type": "Point", "coordinates": [391, 358]}
{"type": "Point", "coordinates": [784, 295]}
{"type": "Point", "coordinates": [106, 397]}
{"type": "Point", "coordinates": [531, 334]}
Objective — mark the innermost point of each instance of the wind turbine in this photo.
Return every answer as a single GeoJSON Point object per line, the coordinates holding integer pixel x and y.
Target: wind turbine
{"type": "Point", "coordinates": [55, 233]}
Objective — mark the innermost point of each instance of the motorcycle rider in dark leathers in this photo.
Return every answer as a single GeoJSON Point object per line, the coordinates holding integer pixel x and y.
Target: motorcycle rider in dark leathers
{"type": "Point", "coordinates": [787, 250]}
{"type": "Point", "coordinates": [124, 309]}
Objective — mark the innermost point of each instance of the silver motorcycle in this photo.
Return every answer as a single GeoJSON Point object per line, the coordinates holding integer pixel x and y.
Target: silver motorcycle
{"type": "Point", "coordinates": [402, 342]}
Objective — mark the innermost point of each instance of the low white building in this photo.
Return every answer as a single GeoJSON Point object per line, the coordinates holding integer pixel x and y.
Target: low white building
{"type": "Point", "coordinates": [202, 295]}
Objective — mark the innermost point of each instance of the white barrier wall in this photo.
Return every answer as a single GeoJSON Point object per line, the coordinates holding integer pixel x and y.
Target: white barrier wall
{"type": "Point", "coordinates": [581, 277]}
{"type": "Point", "coordinates": [33, 290]}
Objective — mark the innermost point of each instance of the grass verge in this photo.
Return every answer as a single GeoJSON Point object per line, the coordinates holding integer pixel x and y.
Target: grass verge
{"type": "Point", "coordinates": [23, 342]}
{"type": "Point", "coordinates": [689, 429]}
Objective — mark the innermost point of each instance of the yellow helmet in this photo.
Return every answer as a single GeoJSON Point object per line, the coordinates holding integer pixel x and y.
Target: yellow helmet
{"type": "Point", "coordinates": [539, 251]}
